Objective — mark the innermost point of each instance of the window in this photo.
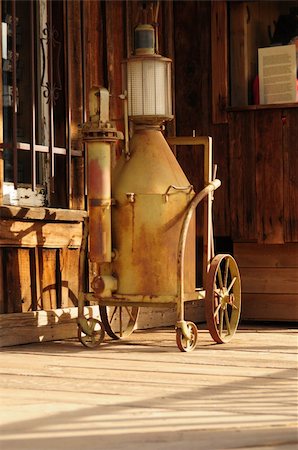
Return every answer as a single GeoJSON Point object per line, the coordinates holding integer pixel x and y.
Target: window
{"type": "Point", "coordinates": [253, 25]}
{"type": "Point", "coordinates": [36, 111]}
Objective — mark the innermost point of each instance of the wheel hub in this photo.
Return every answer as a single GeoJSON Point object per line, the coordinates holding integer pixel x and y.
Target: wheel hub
{"type": "Point", "coordinates": [226, 298]}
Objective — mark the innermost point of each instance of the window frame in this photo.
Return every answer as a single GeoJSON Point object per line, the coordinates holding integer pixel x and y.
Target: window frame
{"type": "Point", "coordinates": [51, 150]}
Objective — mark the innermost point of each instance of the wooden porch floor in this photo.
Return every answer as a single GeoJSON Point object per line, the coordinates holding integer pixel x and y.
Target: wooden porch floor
{"type": "Point", "coordinates": [144, 394]}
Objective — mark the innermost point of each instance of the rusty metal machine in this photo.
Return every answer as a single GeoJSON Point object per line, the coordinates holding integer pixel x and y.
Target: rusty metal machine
{"type": "Point", "coordinates": [140, 233]}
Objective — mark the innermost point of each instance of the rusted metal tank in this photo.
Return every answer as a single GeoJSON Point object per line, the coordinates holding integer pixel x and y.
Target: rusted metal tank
{"type": "Point", "coordinates": [142, 224]}
{"type": "Point", "coordinates": [151, 193]}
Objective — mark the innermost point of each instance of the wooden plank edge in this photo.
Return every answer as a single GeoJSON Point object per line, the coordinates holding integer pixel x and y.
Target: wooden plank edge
{"type": "Point", "coordinates": [46, 214]}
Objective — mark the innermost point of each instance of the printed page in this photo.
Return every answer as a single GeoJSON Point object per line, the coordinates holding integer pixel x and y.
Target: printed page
{"type": "Point", "coordinates": [277, 74]}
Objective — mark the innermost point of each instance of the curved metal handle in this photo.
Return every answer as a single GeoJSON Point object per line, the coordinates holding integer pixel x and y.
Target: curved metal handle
{"type": "Point", "coordinates": [188, 188]}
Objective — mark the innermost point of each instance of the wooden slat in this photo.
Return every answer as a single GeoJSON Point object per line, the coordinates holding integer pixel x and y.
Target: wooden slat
{"type": "Point", "coordinates": [169, 51]}
{"type": "Point", "coordinates": [31, 234]}
{"type": "Point", "coordinates": [115, 37]}
{"type": "Point", "coordinates": [12, 282]}
{"type": "Point", "coordinates": [2, 305]}
{"type": "Point", "coordinates": [221, 205]}
{"type": "Point", "coordinates": [219, 61]}
{"type": "Point", "coordinates": [48, 280]}
{"type": "Point", "coordinates": [41, 326]}
{"type": "Point", "coordinates": [270, 307]}
{"type": "Point", "coordinates": [269, 280]}
{"type": "Point", "coordinates": [269, 176]}
{"type": "Point", "coordinates": [69, 266]}
{"type": "Point", "coordinates": [192, 67]}
{"type": "Point", "coordinates": [290, 147]}
{"type": "Point", "coordinates": [266, 255]}
{"type": "Point", "coordinates": [238, 53]}
{"type": "Point", "coordinates": [1, 122]}
{"type": "Point", "coordinates": [93, 36]}
{"type": "Point", "coordinates": [25, 279]}
{"type": "Point", "coordinates": [242, 175]}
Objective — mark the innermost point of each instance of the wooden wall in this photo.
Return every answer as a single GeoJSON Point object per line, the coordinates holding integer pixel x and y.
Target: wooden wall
{"type": "Point", "coordinates": [256, 150]}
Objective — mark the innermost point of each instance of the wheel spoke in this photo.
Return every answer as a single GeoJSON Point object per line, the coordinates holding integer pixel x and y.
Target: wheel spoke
{"type": "Point", "coordinates": [219, 275]}
{"type": "Point", "coordinates": [232, 284]}
{"type": "Point", "coordinates": [221, 317]}
{"type": "Point", "coordinates": [216, 311]}
{"type": "Point", "coordinates": [227, 321]}
{"type": "Point", "coordinates": [226, 273]}
{"type": "Point", "coordinates": [218, 293]}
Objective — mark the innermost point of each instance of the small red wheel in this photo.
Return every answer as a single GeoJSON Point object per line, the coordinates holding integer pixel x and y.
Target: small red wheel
{"type": "Point", "coordinates": [96, 336]}
{"type": "Point", "coordinates": [187, 344]}
{"type": "Point", "coordinates": [223, 298]}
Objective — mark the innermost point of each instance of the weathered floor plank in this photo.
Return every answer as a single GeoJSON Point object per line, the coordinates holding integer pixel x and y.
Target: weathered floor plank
{"type": "Point", "coordinates": [145, 393]}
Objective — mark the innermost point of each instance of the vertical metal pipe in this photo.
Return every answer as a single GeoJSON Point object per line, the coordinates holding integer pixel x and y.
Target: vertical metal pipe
{"type": "Point", "coordinates": [99, 195]}
{"type": "Point", "coordinates": [14, 94]}
{"type": "Point", "coordinates": [32, 134]}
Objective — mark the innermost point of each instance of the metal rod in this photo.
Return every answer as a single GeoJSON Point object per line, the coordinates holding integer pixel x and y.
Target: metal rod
{"type": "Point", "coordinates": [32, 134]}
{"type": "Point", "coordinates": [182, 241]}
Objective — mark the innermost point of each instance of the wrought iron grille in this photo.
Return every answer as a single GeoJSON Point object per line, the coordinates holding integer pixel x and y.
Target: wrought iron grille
{"type": "Point", "coordinates": [36, 85]}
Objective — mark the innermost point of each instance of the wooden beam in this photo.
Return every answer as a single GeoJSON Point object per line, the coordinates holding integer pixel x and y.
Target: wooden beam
{"type": "Point", "coordinates": [31, 234]}
{"type": "Point", "coordinates": [60, 324]}
{"type": "Point", "coordinates": [48, 214]}
{"type": "Point", "coordinates": [40, 326]}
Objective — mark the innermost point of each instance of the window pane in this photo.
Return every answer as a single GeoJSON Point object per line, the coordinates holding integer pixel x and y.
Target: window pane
{"type": "Point", "coordinates": [42, 86]}
{"type": "Point", "coordinates": [7, 88]}
{"type": "Point", "coordinates": [23, 71]}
